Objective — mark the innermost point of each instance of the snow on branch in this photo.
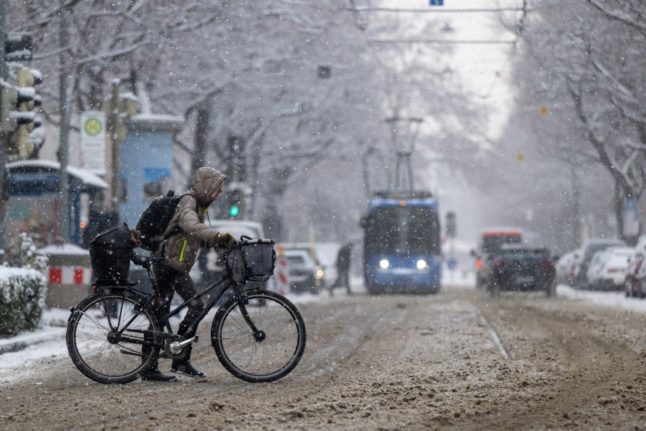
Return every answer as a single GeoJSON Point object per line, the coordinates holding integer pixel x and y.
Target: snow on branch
{"type": "Point", "coordinates": [619, 16]}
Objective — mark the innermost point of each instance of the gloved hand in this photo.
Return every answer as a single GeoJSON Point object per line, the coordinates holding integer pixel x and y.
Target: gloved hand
{"type": "Point", "coordinates": [135, 237]}
{"type": "Point", "coordinates": [224, 241]}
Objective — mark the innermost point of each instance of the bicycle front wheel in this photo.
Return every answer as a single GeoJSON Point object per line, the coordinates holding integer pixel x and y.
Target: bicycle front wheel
{"type": "Point", "coordinates": [266, 355]}
{"type": "Point", "coordinates": [93, 339]}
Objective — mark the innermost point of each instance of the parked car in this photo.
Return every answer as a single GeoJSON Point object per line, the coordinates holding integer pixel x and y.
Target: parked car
{"type": "Point", "coordinates": [589, 249]}
{"type": "Point", "coordinates": [635, 285]}
{"type": "Point", "coordinates": [607, 270]}
{"type": "Point", "coordinates": [520, 268]}
{"type": "Point", "coordinates": [326, 254]}
{"type": "Point", "coordinates": [575, 266]}
{"type": "Point", "coordinates": [303, 272]}
{"type": "Point", "coordinates": [564, 266]}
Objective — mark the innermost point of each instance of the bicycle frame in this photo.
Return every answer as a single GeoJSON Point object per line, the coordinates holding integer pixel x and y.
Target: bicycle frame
{"type": "Point", "coordinates": [158, 338]}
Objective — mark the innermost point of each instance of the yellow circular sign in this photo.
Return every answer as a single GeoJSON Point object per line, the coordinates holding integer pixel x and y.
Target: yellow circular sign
{"type": "Point", "coordinates": [93, 127]}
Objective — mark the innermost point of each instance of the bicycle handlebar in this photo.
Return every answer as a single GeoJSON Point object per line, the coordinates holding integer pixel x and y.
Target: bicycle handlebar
{"type": "Point", "coordinates": [145, 261]}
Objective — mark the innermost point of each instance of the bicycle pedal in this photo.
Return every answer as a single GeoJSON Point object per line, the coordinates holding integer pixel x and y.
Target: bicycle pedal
{"type": "Point", "coordinates": [196, 339]}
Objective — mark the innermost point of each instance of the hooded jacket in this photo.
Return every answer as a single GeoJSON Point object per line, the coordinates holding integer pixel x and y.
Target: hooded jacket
{"type": "Point", "coordinates": [182, 245]}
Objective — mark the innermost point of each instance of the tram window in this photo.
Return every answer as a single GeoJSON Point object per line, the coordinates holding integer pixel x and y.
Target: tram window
{"type": "Point", "coordinates": [412, 230]}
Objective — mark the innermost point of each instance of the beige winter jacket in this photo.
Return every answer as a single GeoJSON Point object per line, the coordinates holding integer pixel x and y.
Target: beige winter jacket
{"type": "Point", "coordinates": [180, 248]}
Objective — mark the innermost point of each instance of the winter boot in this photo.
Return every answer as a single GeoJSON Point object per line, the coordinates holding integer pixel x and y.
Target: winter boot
{"type": "Point", "coordinates": [152, 371]}
{"type": "Point", "coordinates": [184, 365]}
{"type": "Point", "coordinates": [155, 374]}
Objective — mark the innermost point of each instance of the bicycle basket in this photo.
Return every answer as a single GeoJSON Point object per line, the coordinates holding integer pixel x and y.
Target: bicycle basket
{"type": "Point", "coordinates": [252, 260]}
{"type": "Point", "coordinates": [110, 253]}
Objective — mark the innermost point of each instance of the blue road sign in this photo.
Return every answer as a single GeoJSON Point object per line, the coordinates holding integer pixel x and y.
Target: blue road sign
{"type": "Point", "coordinates": [452, 264]}
{"type": "Point", "coordinates": [436, 2]}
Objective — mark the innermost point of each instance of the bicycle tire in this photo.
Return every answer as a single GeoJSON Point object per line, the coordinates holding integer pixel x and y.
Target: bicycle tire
{"type": "Point", "coordinates": [86, 318]}
{"type": "Point", "coordinates": [286, 326]}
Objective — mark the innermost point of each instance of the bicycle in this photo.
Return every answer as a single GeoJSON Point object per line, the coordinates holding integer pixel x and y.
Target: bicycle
{"type": "Point", "coordinates": [258, 335]}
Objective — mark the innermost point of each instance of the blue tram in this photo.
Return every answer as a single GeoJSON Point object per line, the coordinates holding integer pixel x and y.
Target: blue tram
{"type": "Point", "coordinates": [402, 250]}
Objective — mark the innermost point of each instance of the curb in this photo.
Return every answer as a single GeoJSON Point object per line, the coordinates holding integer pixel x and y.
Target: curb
{"type": "Point", "coordinates": [23, 341]}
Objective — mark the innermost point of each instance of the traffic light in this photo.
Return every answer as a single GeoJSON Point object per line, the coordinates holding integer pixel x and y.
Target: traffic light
{"type": "Point", "coordinates": [27, 103]}
{"type": "Point", "coordinates": [235, 203]}
{"type": "Point", "coordinates": [451, 225]}
{"type": "Point", "coordinates": [234, 210]}
{"type": "Point", "coordinates": [19, 121]}
{"type": "Point", "coordinates": [18, 47]}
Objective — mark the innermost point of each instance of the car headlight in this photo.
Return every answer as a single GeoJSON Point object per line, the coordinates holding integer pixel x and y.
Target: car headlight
{"type": "Point", "coordinates": [421, 264]}
{"type": "Point", "coordinates": [384, 264]}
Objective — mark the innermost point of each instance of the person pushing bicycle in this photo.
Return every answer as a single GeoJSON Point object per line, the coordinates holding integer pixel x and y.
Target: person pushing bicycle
{"type": "Point", "coordinates": [184, 236]}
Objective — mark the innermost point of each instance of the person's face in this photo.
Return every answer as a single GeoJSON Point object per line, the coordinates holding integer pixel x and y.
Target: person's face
{"type": "Point", "coordinates": [218, 192]}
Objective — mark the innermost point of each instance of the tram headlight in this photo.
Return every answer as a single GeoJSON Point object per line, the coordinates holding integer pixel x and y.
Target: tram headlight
{"type": "Point", "coordinates": [421, 264]}
{"type": "Point", "coordinates": [384, 264]}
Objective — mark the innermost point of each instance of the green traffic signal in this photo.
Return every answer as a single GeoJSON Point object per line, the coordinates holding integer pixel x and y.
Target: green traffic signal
{"type": "Point", "coordinates": [234, 211]}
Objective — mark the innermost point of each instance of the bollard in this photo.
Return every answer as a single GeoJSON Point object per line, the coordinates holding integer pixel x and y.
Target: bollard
{"type": "Point", "coordinates": [282, 273]}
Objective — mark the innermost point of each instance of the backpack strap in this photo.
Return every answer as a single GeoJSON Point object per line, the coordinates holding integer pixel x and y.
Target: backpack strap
{"type": "Point", "coordinates": [178, 229]}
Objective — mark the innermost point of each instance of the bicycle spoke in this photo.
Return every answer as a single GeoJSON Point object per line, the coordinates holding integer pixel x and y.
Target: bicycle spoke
{"type": "Point", "coordinates": [92, 346]}
{"type": "Point", "coordinates": [95, 321]}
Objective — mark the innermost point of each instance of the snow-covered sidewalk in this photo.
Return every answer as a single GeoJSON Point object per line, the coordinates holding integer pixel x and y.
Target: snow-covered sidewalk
{"type": "Point", "coordinates": [48, 341]}
{"type": "Point", "coordinates": [609, 299]}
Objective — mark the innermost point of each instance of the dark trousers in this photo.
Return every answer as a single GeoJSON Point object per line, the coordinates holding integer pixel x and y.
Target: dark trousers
{"type": "Point", "coordinates": [168, 281]}
{"type": "Point", "coordinates": [343, 279]}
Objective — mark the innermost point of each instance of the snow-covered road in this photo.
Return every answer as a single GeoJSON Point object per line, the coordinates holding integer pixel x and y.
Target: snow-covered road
{"type": "Point", "coordinates": [457, 360]}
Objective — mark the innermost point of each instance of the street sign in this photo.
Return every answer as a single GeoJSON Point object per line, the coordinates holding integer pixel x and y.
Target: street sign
{"type": "Point", "coordinates": [93, 141]}
{"type": "Point", "coordinates": [452, 264]}
{"type": "Point", "coordinates": [436, 2]}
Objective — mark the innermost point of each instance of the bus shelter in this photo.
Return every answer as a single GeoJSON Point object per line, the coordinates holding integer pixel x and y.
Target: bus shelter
{"type": "Point", "coordinates": [35, 200]}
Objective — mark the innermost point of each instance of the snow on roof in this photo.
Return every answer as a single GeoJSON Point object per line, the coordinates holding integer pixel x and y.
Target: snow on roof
{"type": "Point", "coordinates": [86, 177]}
{"type": "Point", "coordinates": [155, 123]}
{"type": "Point", "coordinates": [68, 249]}
{"type": "Point", "coordinates": [621, 251]}
{"type": "Point", "coordinates": [501, 230]}
{"type": "Point", "coordinates": [158, 117]}
{"type": "Point", "coordinates": [603, 241]}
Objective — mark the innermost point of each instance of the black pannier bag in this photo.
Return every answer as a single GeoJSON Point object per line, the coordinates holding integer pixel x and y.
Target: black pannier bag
{"type": "Point", "coordinates": [110, 254]}
{"type": "Point", "coordinates": [252, 260]}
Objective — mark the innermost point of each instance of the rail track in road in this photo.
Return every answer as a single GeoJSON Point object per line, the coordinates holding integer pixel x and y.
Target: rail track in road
{"type": "Point", "coordinates": [386, 362]}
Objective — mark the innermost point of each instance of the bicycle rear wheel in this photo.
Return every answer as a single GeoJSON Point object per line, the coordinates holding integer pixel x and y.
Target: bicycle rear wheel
{"type": "Point", "coordinates": [265, 356]}
{"type": "Point", "coordinates": [93, 343]}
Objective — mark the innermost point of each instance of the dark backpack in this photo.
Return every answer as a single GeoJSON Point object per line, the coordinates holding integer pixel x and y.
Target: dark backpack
{"type": "Point", "coordinates": [155, 219]}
